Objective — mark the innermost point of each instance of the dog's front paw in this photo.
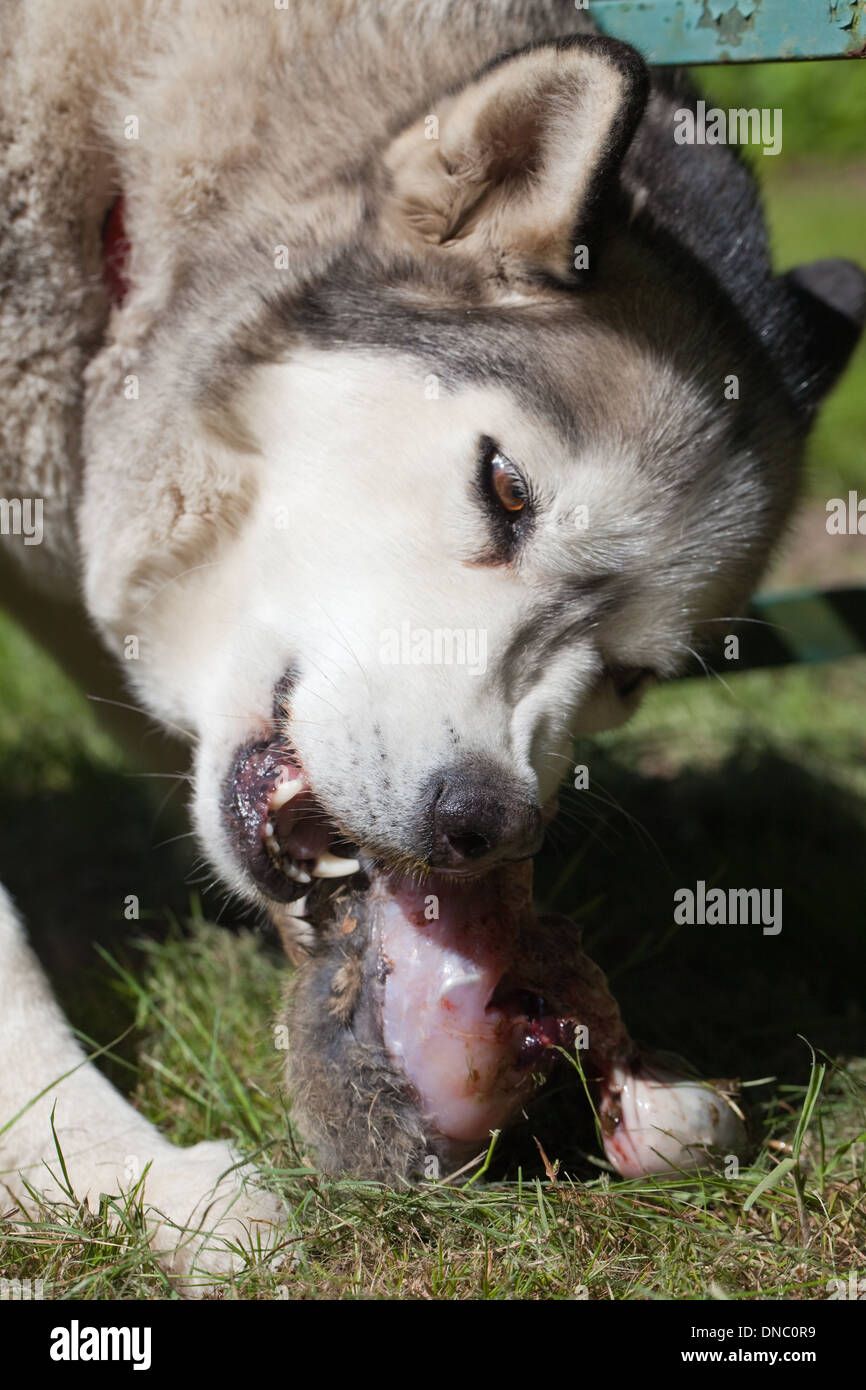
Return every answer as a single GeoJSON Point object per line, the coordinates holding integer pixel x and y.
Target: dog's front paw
{"type": "Point", "coordinates": [206, 1216]}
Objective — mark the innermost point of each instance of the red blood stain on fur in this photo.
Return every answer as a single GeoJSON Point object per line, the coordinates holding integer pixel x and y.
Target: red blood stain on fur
{"type": "Point", "coordinates": [115, 252]}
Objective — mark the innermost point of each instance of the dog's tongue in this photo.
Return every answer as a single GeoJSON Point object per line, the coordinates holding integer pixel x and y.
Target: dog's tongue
{"type": "Point", "coordinates": [444, 949]}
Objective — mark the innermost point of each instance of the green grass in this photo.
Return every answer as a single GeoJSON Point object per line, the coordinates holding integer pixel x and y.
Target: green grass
{"type": "Point", "coordinates": [207, 1066]}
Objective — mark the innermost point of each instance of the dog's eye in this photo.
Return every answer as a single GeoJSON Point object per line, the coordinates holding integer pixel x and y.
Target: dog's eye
{"type": "Point", "coordinates": [502, 483]}
{"type": "Point", "coordinates": [627, 679]}
{"type": "Point", "coordinates": [507, 499]}
{"type": "Point", "coordinates": [508, 484]}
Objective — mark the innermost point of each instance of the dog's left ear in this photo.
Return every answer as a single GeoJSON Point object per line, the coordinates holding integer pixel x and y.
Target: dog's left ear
{"type": "Point", "coordinates": [516, 169]}
{"type": "Point", "coordinates": [825, 313]}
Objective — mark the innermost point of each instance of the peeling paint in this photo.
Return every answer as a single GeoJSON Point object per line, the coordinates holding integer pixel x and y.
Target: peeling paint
{"type": "Point", "coordinates": [714, 31]}
{"type": "Point", "coordinates": [718, 8]}
{"type": "Point", "coordinates": [856, 27]}
{"type": "Point", "coordinates": [730, 24]}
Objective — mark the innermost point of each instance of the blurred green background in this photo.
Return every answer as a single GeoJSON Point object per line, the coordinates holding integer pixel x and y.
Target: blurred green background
{"type": "Point", "coordinates": [815, 193]}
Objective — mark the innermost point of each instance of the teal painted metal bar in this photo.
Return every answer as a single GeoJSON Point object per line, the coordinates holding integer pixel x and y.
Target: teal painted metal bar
{"type": "Point", "coordinates": [691, 32]}
{"type": "Point", "coordinates": [803, 627]}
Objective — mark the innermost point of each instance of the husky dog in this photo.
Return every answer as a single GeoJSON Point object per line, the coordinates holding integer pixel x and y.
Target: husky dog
{"type": "Point", "coordinates": [421, 323]}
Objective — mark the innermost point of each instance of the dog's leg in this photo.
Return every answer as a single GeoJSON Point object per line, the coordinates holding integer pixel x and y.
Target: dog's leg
{"type": "Point", "coordinates": [196, 1201]}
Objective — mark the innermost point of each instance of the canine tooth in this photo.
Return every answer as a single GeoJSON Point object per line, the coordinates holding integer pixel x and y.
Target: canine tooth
{"type": "Point", "coordinates": [283, 792]}
{"type": "Point", "coordinates": [332, 866]}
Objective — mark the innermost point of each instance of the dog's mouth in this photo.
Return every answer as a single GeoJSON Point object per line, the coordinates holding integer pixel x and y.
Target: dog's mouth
{"type": "Point", "coordinates": [292, 848]}
{"type": "Point", "coordinates": [465, 1010]}
{"type": "Point", "coordinates": [280, 830]}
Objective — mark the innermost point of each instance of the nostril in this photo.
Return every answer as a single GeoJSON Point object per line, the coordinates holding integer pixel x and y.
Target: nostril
{"type": "Point", "coordinates": [469, 845]}
{"type": "Point", "coordinates": [477, 814]}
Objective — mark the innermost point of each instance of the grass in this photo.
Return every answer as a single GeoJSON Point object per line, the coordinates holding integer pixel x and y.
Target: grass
{"type": "Point", "coordinates": [761, 783]}
{"type": "Point", "coordinates": [208, 1052]}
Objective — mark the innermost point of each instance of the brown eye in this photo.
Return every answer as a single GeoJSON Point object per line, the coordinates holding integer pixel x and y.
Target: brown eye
{"type": "Point", "coordinates": [508, 501]}
{"type": "Point", "coordinates": [509, 488]}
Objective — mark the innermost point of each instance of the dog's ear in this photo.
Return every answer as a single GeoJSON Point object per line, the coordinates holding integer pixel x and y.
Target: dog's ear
{"type": "Point", "coordinates": [826, 303]}
{"type": "Point", "coordinates": [517, 168]}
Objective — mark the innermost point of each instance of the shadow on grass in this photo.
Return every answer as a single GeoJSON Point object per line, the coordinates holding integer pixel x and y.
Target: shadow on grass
{"type": "Point", "coordinates": [730, 999]}
{"type": "Point", "coordinates": [71, 859]}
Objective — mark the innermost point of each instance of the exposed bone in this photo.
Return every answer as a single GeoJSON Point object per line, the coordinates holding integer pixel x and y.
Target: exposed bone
{"type": "Point", "coordinates": [655, 1120]}
{"type": "Point", "coordinates": [455, 981]}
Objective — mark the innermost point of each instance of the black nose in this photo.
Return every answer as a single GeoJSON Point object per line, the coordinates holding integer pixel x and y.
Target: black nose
{"type": "Point", "coordinates": [478, 815]}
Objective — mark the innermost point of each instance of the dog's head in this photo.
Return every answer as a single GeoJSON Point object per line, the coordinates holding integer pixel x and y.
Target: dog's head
{"type": "Point", "coordinates": [425, 503]}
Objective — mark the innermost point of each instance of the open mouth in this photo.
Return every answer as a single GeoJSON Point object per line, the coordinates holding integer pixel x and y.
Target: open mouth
{"type": "Point", "coordinates": [289, 845]}
{"type": "Point", "coordinates": [279, 828]}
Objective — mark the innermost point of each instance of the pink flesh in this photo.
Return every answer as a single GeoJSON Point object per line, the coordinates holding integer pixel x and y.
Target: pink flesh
{"type": "Point", "coordinates": [459, 1054]}
{"type": "Point", "coordinates": [466, 1058]}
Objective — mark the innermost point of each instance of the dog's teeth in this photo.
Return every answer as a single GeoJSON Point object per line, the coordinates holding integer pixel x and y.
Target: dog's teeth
{"type": "Point", "coordinates": [283, 792]}
{"type": "Point", "coordinates": [332, 866]}
{"type": "Point", "coordinates": [297, 874]}
{"type": "Point", "coordinates": [269, 831]}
